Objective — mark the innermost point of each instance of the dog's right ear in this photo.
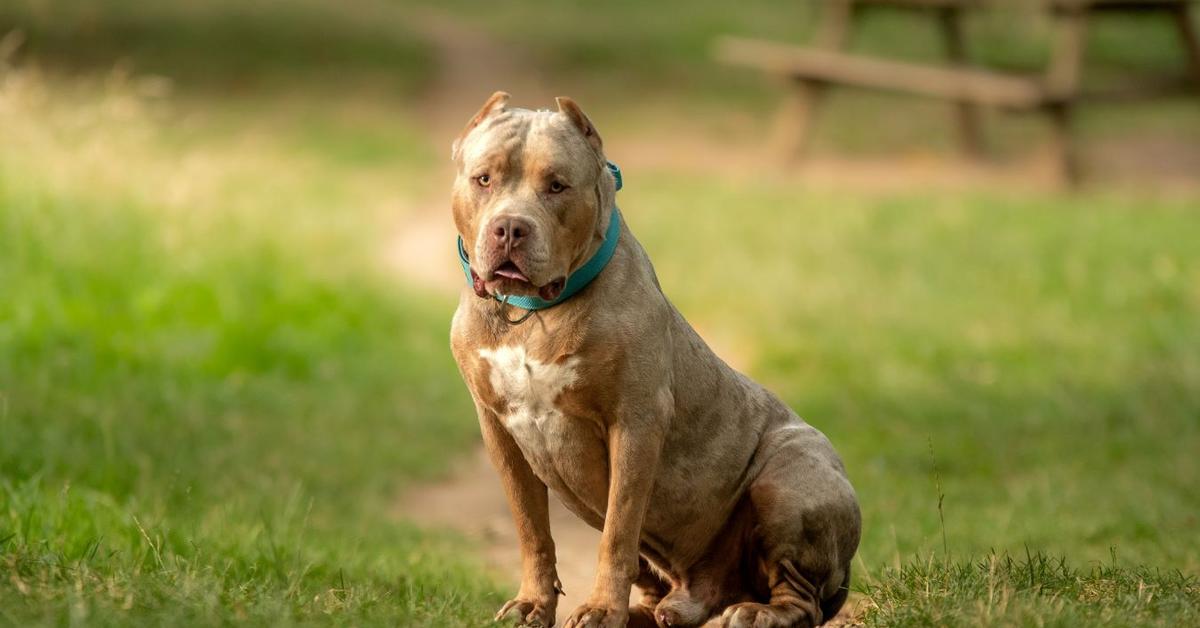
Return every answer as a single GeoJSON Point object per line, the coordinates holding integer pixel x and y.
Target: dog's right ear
{"type": "Point", "coordinates": [497, 102]}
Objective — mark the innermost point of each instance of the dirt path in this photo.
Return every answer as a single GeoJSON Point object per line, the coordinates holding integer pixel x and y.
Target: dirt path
{"type": "Point", "coordinates": [472, 502]}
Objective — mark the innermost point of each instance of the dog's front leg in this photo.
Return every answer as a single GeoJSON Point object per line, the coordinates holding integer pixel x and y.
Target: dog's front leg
{"type": "Point", "coordinates": [633, 460]}
{"type": "Point", "coordinates": [537, 599]}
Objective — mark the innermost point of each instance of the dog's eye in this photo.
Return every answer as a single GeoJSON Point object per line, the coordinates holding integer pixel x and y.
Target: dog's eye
{"type": "Point", "coordinates": [484, 180]}
{"type": "Point", "coordinates": [556, 187]}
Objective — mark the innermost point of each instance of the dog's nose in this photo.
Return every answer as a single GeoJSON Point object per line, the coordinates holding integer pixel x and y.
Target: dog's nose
{"type": "Point", "coordinates": [508, 231]}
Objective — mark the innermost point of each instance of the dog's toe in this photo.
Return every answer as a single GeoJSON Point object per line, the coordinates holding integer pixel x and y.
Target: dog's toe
{"type": "Point", "coordinates": [597, 617]}
{"type": "Point", "coordinates": [525, 613]}
{"type": "Point", "coordinates": [751, 615]}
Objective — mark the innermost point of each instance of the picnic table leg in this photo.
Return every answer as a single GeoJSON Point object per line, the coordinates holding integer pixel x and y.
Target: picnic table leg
{"type": "Point", "coordinates": [1064, 146]}
{"type": "Point", "coordinates": [1191, 39]}
{"type": "Point", "coordinates": [798, 114]}
{"type": "Point", "coordinates": [970, 124]}
{"type": "Point", "coordinates": [797, 117]}
{"type": "Point", "coordinates": [1062, 82]}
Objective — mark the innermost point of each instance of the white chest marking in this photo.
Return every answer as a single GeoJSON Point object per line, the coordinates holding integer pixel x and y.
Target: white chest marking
{"type": "Point", "coordinates": [528, 386]}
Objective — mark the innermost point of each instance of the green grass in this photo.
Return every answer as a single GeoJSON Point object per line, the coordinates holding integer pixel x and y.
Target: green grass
{"type": "Point", "coordinates": [208, 408]}
{"type": "Point", "coordinates": [1026, 365]}
{"type": "Point", "coordinates": [1046, 347]}
{"type": "Point", "coordinates": [224, 45]}
{"type": "Point", "coordinates": [210, 395]}
{"type": "Point", "coordinates": [1033, 590]}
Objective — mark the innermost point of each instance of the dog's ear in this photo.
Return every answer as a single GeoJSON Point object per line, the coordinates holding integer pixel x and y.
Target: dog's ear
{"type": "Point", "coordinates": [497, 102]}
{"type": "Point", "coordinates": [569, 108]}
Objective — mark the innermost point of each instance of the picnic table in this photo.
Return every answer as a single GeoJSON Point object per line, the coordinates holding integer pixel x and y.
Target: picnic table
{"type": "Point", "coordinates": [1055, 93]}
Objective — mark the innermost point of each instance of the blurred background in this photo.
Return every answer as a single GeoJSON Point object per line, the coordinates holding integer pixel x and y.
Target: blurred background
{"type": "Point", "coordinates": [227, 275]}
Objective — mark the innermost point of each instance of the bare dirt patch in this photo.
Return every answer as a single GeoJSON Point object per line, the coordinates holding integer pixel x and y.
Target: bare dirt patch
{"type": "Point", "coordinates": [472, 502]}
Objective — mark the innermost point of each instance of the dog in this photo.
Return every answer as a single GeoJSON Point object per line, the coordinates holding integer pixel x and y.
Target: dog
{"type": "Point", "coordinates": [711, 495]}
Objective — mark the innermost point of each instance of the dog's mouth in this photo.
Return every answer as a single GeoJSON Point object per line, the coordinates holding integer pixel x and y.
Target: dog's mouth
{"type": "Point", "coordinates": [509, 270]}
{"type": "Point", "coordinates": [508, 278]}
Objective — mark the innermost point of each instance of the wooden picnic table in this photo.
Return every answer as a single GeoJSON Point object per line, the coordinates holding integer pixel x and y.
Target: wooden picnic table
{"type": "Point", "coordinates": [1055, 93]}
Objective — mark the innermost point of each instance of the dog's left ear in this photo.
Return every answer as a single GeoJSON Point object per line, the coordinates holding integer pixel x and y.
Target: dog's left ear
{"type": "Point", "coordinates": [569, 108]}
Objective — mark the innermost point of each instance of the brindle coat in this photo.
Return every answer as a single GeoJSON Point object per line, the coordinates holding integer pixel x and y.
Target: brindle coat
{"type": "Point", "coordinates": [713, 497]}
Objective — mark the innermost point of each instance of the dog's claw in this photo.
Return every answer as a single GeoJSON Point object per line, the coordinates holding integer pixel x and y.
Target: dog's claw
{"type": "Point", "coordinates": [597, 617]}
{"type": "Point", "coordinates": [507, 611]}
{"type": "Point", "coordinates": [525, 613]}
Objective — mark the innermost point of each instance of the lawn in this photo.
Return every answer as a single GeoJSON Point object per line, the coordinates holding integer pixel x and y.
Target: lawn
{"type": "Point", "coordinates": [212, 389]}
{"type": "Point", "coordinates": [209, 393]}
{"type": "Point", "coordinates": [1007, 377]}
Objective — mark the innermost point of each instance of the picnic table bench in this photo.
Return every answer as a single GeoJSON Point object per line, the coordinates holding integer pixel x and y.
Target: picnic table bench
{"type": "Point", "coordinates": [1055, 93]}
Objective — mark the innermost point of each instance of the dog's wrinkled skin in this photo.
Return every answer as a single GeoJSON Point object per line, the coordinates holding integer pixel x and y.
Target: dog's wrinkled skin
{"type": "Point", "coordinates": [713, 497]}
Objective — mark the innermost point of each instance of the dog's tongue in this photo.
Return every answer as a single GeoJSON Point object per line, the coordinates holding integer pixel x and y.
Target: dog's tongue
{"type": "Point", "coordinates": [510, 271]}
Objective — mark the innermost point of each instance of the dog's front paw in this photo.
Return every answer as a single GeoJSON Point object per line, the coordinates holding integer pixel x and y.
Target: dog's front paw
{"type": "Point", "coordinates": [597, 616]}
{"type": "Point", "coordinates": [527, 613]}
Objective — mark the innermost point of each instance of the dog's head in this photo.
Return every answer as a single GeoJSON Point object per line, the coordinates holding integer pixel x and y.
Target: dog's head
{"type": "Point", "coordinates": [531, 196]}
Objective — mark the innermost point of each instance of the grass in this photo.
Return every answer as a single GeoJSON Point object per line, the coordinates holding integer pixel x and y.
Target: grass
{"type": "Point", "coordinates": [224, 45]}
{"type": "Point", "coordinates": [210, 393]}
{"type": "Point", "coordinates": [1033, 590]}
{"type": "Point", "coordinates": [1045, 348]}
{"type": "Point", "coordinates": [625, 44]}
{"type": "Point", "coordinates": [207, 401]}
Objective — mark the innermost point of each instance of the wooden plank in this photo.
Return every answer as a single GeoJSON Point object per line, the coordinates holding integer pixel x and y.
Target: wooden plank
{"type": "Point", "coordinates": [971, 85]}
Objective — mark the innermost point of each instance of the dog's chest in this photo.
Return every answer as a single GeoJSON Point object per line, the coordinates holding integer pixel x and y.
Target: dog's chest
{"type": "Point", "coordinates": [528, 390]}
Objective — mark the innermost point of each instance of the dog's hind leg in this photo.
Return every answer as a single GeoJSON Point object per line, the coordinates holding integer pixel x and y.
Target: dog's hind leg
{"type": "Point", "coordinates": [794, 603]}
{"type": "Point", "coordinates": [807, 530]}
{"type": "Point", "coordinates": [654, 588]}
{"type": "Point", "coordinates": [717, 579]}
{"type": "Point", "coordinates": [669, 602]}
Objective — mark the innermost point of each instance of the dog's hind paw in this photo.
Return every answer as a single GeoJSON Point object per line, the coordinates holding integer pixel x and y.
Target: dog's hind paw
{"type": "Point", "coordinates": [751, 615]}
{"type": "Point", "coordinates": [641, 617]}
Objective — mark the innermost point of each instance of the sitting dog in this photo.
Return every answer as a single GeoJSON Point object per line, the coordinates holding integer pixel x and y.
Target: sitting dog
{"type": "Point", "coordinates": [715, 499]}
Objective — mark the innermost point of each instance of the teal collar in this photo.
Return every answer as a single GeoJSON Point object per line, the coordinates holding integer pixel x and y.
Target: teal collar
{"type": "Point", "coordinates": [579, 279]}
